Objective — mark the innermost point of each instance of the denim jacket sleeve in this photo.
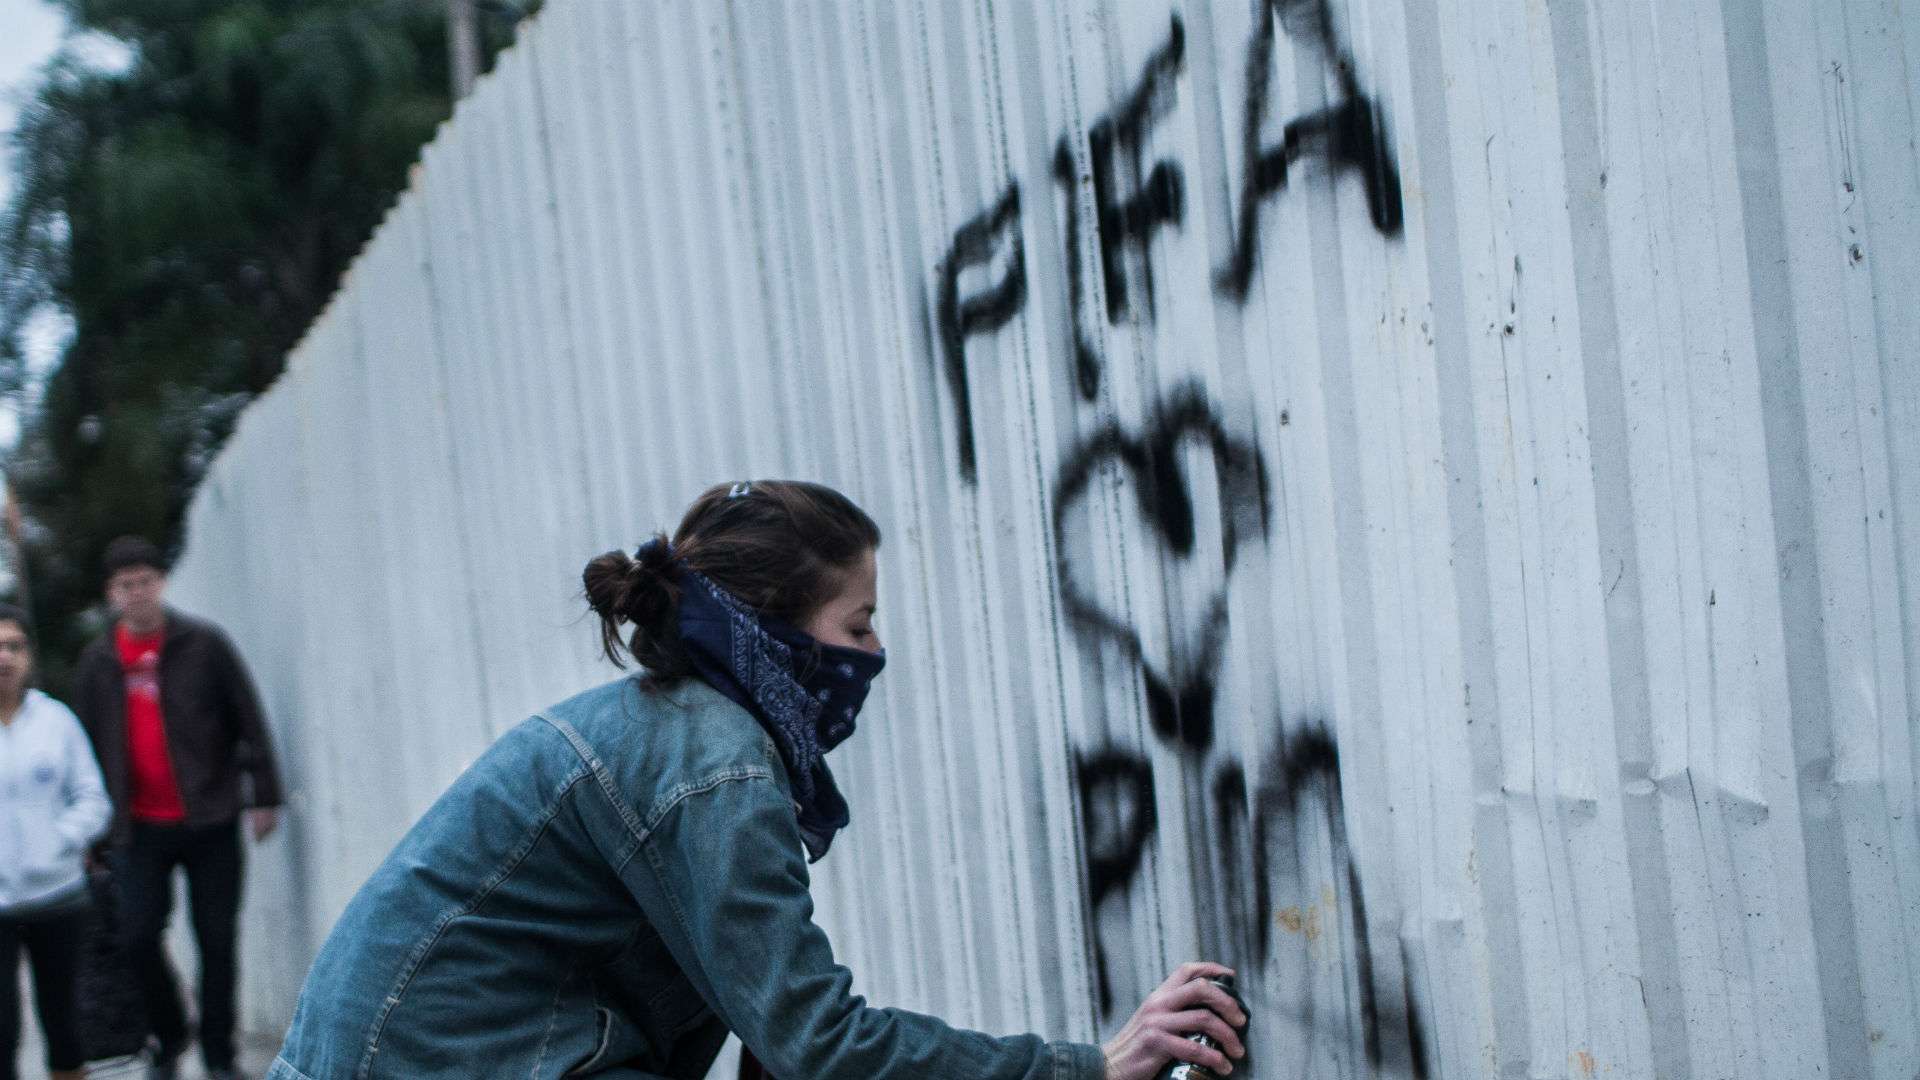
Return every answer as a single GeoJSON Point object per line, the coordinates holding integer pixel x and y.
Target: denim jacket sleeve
{"type": "Point", "coordinates": [724, 879]}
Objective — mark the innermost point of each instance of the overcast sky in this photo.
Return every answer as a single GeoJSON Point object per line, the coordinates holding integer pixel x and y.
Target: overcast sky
{"type": "Point", "coordinates": [30, 31]}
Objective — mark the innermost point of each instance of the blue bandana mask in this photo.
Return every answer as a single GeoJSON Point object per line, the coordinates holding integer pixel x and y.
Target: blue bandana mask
{"type": "Point", "coordinates": [805, 694]}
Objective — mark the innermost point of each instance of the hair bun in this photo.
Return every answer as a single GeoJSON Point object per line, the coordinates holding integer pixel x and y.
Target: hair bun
{"type": "Point", "coordinates": [609, 581]}
{"type": "Point", "coordinates": [640, 590]}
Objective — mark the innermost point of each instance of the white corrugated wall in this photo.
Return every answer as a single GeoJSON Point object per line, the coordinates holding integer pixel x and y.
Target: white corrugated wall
{"type": "Point", "coordinates": [1418, 500]}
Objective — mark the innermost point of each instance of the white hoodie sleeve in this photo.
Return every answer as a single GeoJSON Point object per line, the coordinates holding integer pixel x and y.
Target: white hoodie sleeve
{"type": "Point", "coordinates": [87, 812]}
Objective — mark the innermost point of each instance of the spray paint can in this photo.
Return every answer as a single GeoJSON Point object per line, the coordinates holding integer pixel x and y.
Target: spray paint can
{"type": "Point", "coordinates": [1186, 1070]}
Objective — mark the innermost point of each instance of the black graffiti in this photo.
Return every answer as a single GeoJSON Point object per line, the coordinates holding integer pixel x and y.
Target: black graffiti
{"type": "Point", "coordinates": [1132, 201]}
{"type": "Point", "coordinates": [1349, 135]}
{"type": "Point", "coordinates": [1115, 143]}
{"type": "Point", "coordinates": [1303, 764]}
{"type": "Point", "coordinates": [1390, 1029]}
{"type": "Point", "coordinates": [1117, 818]}
{"type": "Point", "coordinates": [1306, 761]}
{"type": "Point", "coordinates": [1086, 359]}
{"type": "Point", "coordinates": [1116, 147]}
{"type": "Point", "coordinates": [1179, 700]}
{"type": "Point", "coordinates": [1120, 784]}
{"type": "Point", "coordinates": [1298, 789]}
{"type": "Point", "coordinates": [980, 313]}
{"type": "Point", "coordinates": [1257, 818]}
{"type": "Point", "coordinates": [1232, 820]}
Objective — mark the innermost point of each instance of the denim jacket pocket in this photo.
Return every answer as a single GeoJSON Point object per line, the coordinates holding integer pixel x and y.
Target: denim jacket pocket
{"type": "Point", "coordinates": [675, 1009]}
{"type": "Point", "coordinates": [652, 1003]}
{"type": "Point", "coordinates": [604, 1020]}
{"type": "Point", "coordinates": [622, 1046]}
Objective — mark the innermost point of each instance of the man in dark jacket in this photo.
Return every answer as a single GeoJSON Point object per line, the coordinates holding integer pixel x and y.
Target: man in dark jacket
{"type": "Point", "coordinates": [183, 745]}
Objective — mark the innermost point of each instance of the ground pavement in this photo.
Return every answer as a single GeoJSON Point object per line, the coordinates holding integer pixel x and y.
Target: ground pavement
{"type": "Point", "coordinates": [256, 1051]}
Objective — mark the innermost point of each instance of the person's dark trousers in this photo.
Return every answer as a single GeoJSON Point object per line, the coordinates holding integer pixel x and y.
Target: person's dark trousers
{"type": "Point", "coordinates": [53, 952]}
{"type": "Point", "coordinates": [144, 868]}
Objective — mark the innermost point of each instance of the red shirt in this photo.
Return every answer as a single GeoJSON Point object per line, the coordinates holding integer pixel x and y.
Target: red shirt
{"type": "Point", "coordinates": [154, 794]}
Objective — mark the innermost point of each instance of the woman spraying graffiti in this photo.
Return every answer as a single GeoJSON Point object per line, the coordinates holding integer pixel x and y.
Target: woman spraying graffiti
{"type": "Point", "coordinates": [622, 880]}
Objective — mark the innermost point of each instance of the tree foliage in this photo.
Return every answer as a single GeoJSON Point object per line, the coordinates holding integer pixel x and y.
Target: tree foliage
{"type": "Point", "coordinates": [192, 212]}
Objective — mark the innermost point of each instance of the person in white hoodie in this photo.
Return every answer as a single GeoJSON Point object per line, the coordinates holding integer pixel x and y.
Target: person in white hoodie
{"type": "Point", "coordinates": [53, 806]}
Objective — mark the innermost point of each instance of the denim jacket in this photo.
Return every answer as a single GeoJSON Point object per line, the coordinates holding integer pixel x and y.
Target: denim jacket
{"type": "Point", "coordinates": [612, 887]}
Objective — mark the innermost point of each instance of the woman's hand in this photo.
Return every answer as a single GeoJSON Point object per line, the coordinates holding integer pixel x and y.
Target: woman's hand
{"type": "Point", "coordinates": [1186, 1003]}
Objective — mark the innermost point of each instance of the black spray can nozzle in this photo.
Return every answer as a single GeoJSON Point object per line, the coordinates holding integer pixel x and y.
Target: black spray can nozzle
{"type": "Point", "coordinates": [1186, 1070]}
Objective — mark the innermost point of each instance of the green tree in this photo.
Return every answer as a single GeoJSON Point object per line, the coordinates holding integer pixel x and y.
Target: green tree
{"type": "Point", "coordinates": [192, 212]}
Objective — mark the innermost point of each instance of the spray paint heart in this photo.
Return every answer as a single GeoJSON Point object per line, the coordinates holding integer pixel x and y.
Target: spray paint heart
{"type": "Point", "coordinates": [1179, 689]}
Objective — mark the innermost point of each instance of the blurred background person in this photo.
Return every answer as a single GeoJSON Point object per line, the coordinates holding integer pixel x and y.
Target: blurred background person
{"type": "Point", "coordinates": [182, 741]}
{"type": "Point", "coordinates": [53, 806]}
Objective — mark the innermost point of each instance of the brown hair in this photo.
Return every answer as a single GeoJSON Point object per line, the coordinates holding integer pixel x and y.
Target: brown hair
{"type": "Point", "coordinates": [17, 615]}
{"type": "Point", "coordinates": [782, 547]}
{"type": "Point", "coordinates": [126, 552]}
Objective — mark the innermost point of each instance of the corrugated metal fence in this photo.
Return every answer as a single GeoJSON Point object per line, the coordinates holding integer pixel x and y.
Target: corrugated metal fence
{"type": "Point", "coordinates": [1419, 500]}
